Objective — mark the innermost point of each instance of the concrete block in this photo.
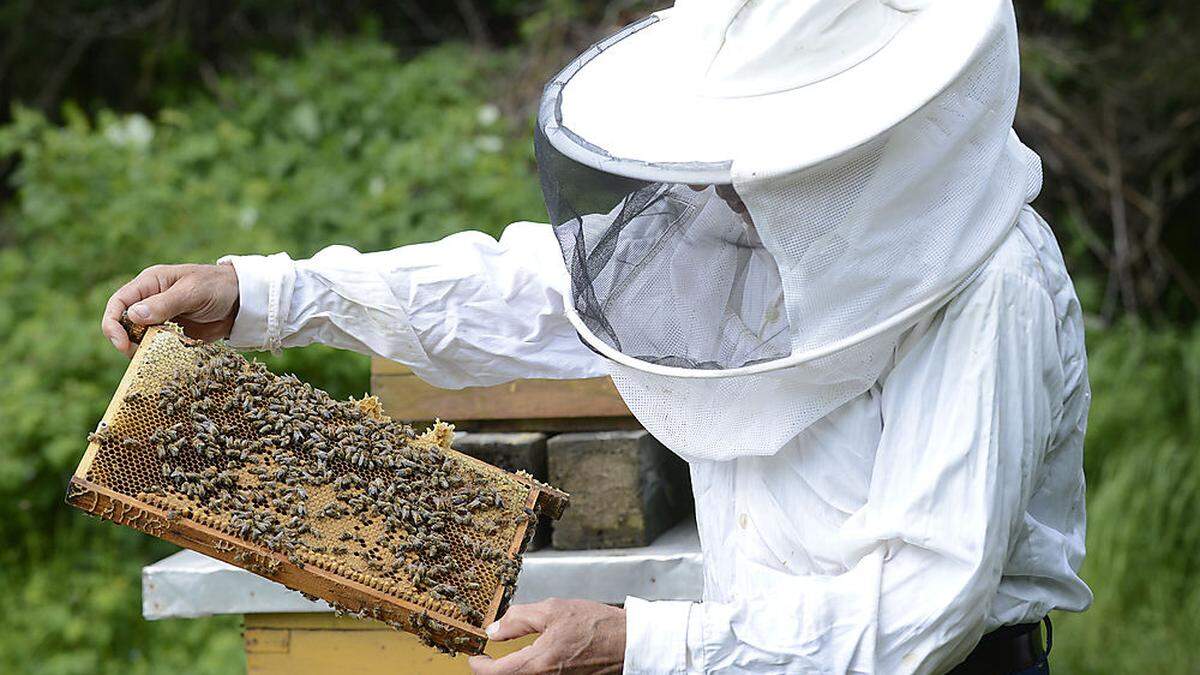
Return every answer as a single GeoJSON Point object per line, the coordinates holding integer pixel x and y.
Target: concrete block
{"type": "Point", "coordinates": [626, 488]}
{"type": "Point", "coordinates": [520, 451]}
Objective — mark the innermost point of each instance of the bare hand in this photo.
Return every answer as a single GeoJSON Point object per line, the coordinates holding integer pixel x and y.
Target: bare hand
{"type": "Point", "coordinates": [203, 299]}
{"type": "Point", "coordinates": [577, 636]}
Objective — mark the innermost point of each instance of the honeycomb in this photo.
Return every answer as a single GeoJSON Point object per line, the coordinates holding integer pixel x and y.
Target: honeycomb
{"type": "Point", "coordinates": [204, 448]}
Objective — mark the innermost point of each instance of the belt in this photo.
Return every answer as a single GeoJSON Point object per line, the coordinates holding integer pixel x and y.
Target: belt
{"type": "Point", "coordinates": [1008, 649]}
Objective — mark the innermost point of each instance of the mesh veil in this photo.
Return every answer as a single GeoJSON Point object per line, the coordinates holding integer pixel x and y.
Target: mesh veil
{"type": "Point", "coordinates": [666, 273]}
{"type": "Point", "coordinates": [729, 333]}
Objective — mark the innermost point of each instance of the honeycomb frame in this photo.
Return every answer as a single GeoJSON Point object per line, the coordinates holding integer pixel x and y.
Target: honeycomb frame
{"type": "Point", "coordinates": [355, 591]}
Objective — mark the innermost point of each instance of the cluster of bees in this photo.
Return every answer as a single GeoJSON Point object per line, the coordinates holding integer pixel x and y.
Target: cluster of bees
{"type": "Point", "coordinates": [285, 466]}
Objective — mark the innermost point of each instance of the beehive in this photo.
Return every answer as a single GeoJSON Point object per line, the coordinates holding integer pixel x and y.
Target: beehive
{"type": "Point", "coordinates": [207, 450]}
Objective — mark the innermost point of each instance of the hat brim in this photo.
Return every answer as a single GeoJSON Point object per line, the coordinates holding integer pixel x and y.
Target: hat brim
{"type": "Point", "coordinates": [624, 99]}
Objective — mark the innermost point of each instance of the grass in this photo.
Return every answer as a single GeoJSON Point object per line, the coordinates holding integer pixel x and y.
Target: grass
{"type": "Point", "coordinates": [1143, 469]}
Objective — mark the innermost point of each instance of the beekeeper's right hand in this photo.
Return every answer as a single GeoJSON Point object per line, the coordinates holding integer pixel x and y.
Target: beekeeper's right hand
{"type": "Point", "coordinates": [203, 299]}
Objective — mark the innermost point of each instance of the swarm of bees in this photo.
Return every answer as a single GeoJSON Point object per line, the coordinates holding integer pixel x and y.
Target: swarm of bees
{"type": "Point", "coordinates": [274, 461]}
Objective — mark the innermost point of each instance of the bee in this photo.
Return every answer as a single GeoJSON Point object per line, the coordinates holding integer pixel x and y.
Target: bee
{"type": "Point", "coordinates": [470, 612]}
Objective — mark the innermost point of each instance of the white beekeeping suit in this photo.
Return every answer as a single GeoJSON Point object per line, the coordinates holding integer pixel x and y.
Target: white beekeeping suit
{"type": "Point", "coordinates": [797, 236]}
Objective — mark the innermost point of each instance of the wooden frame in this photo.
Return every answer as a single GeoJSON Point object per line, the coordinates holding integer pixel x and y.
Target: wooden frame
{"type": "Point", "coordinates": [310, 573]}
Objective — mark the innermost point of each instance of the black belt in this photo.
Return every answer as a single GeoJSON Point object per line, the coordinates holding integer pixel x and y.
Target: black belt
{"type": "Point", "coordinates": [1008, 649]}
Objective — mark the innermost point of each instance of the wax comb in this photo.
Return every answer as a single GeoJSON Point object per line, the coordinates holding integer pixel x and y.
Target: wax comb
{"type": "Point", "coordinates": [214, 453]}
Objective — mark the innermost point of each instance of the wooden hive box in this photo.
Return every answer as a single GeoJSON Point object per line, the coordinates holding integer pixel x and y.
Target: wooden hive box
{"type": "Point", "coordinates": [521, 405]}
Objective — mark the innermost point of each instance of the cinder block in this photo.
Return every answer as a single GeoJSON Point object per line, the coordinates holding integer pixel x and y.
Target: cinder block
{"type": "Point", "coordinates": [626, 488]}
{"type": "Point", "coordinates": [521, 451]}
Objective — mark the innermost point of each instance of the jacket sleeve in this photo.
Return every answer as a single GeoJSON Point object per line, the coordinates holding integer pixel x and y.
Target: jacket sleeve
{"type": "Point", "coordinates": [968, 413]}
{"type": "Point", "coordinates": [467, 310]}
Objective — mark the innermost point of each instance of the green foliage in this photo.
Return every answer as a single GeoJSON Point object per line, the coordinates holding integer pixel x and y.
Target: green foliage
{"type": "Point", "coordinates": [76, 609]}
{"type": "Point", "coordinates": [1143, 468]}
{"type": "Point", "coordinates": [1108, 99]}
{"type": "Point", "coordinates": [1075, 10]}
{"type": "Point", "coordinates": [137, 55]}
{"type": "Point", "coordinates": [344, 145]}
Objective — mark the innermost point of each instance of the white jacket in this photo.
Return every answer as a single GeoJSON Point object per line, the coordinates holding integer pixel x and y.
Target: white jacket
{"type": "Point", "coordinates": [886, 538]}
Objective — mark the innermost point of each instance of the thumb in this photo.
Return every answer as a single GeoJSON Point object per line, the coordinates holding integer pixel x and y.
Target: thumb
{"type": "Point", "coordinates": [177, 299]}
{"type": "Point", "coordinates": [517, 621]}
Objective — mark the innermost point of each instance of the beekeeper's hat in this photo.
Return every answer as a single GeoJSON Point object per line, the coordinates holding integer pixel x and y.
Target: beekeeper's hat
{"type": "Point", "coordinates": [706, 79]}
{"type": "Point", "coordinates": [755, 198]}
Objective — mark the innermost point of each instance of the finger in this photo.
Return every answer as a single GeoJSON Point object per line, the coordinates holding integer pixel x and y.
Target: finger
{"type": "Point", "coordinates": [117, 304]}
{"type": "Point", "coordinates": [151, 281]}
{"type": "Point", "coordinates": [111, 327]}
{"type": "Point", "coordinates": [519, 620]}
{"type": "Point", "coordinates": [175, 300]}
{"type": "Point", "coordinates": [510, 664]}
{"type": "Point", "coordinates": [110, 324]}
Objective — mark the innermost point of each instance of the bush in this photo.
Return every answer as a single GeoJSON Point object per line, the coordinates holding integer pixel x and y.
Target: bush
{"type": "Point", "coordinates": [344, 144]}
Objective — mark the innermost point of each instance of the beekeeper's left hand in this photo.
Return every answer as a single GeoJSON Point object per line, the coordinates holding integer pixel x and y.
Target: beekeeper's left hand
{"type": "Point", "coordinates": [577, 636]}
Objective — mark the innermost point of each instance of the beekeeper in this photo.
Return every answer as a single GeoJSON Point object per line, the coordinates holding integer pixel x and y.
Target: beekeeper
{"type": "Point", "coordinates": [797, 235]}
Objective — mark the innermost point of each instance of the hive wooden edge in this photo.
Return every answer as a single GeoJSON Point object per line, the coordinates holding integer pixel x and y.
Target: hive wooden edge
{"type": "Point", "coordinates": [355, 597]}
{"type": "Point", "coordinates": [550, 400]}
{"type": "Point", "coordinates": [549, 501]}
{"type": "Point", "coordinates": [546, 425]}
